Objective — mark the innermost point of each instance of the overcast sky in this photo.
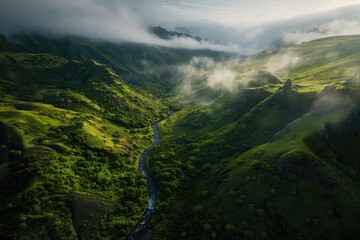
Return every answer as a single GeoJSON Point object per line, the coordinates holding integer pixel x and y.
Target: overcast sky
{"type": "Point", "coordinates": [241, 25]}
{"type": "Point", "coordinates": [240, 13]}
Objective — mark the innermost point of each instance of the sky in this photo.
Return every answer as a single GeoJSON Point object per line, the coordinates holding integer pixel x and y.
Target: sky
{"type": "Point", "coordinates": [241, 13]}
{"type": "Point", "coordinates": [243, 26]}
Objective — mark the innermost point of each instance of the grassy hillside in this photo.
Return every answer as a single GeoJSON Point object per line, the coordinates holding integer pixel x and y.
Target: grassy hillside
{"type": "Point", "coordinates": [71, 136]}
{"type": "Point", "coordinates": [141, 66]}
{"type": "Point", "coordinates": [271, 160]}
{"type": "Point", "coordinates": [260, 148]}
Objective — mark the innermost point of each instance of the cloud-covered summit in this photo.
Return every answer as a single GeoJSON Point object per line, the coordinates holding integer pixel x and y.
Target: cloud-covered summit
{"type": "Point", "coordinates": [128, 21]}
{"type": "Point", "coordinates": [88, 18]}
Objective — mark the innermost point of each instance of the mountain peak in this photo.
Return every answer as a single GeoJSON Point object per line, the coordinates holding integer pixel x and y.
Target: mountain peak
{"type": "Point", "coordinates": [167, 35]}
{"type": "Point", "coordinates": [288, 86]}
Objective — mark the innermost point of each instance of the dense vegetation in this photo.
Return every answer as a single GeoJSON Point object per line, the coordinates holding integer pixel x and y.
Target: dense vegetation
{"type": "Point", "coordinates": [272, 157]}
{"type": "Point", "coordinates": [143, 67]}
{"type": "Point", "coordinates": [72, 131]}
{"type": "Point", "coordinates": [71, 136]}
{"type": "Point", "coordinates": [270, 160]}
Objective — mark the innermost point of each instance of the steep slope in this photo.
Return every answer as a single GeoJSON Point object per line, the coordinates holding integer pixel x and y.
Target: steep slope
{"type": "Point", "coordinates": [164, 34]}
{"type": "Point", "coordinates": [72, 132]}
{"type": "Point", "coordinates": [270, 160]}
{"type": "Point", "coordinates": [140, 65]}
{"type": "Point", "coordinates": [270, 157]}
{"type": "Point", "coordinates": [71, 136]}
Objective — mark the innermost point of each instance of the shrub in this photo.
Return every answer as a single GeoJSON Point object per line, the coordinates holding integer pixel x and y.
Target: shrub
{"type": "Point", "coordinates": [249, 234]}
{"type": "Point", "coordinates": [207, 227]}
{"type": "Point", "coordinates": [256, 164]}
{"type": "Point", "coordinates": [230, 228]}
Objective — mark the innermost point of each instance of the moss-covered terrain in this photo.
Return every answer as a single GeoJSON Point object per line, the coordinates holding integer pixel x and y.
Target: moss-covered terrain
{"type": "Point", "coordinates": [271, 160]}
{"type": "Point", "coordinates": [274, 156]}
{"type": "Point", "coordinates": [71, 136]}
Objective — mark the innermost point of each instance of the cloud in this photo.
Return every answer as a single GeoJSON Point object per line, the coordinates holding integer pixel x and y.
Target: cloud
{"type": "Point", "coordinates": [203, 72]}
{"type": "Point", "coordinates": [287, 59]}
{"type": "Point", "coordinates": [222, 79]}
{"type": "Point", "coordinates": [128, 20]}
{"type": "Point", "coordinates": [190, 43]}
{"type": "Point", "coordinates": [334, 28]}
{"type": "Point", "coordinates": [254, 38]}
{"type": "Point", "coordinates": [234, 13]}
{"type": "Point", "coordinates": [85, 18]}
{"type": "Point", "coordinates": [284, 61]}
{"type": "Point", "coordinates": [193, 73]}
{"type": "Point", "coordinates": [109, 20]}
{"type": "Point", "coordinates": [346, 2]}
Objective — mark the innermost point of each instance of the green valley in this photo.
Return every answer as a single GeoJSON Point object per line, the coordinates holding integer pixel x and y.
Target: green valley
{"type": "Point", "coordinates": [71, 136]}
{"type": "Point", "coordinates": [267, 161]}
{"type": "Point", "coordinates": [259, 147]}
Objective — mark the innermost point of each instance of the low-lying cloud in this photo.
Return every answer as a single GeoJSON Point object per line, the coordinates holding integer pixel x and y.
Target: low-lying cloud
{"type": "Point", "coordinates": [88, 18]}
{"type": "Point", "coordinates": [284, 61]}
{"type": "Point", "coordinates": [223, 79]}
{"type": "Point", "coordinates": [334, 28]}
{"type": "Point", "coordinates": [84, 18]}
{"type": "Point", "coordinates": [190, 43]}
{"type": "Point", "coordinates": [204, 72]}
{"type": "Point", "coordinates": [253, 38]}
{"type": "Point", "coordinates": [116, 20]}
{"type": "Point", "coordinates": [193, 73]}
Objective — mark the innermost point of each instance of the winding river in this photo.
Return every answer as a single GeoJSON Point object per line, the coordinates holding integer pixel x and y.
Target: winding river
{"type": "Point", "coordinates": [143, 168]}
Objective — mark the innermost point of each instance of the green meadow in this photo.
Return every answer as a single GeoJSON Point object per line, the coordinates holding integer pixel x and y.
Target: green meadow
{"type": "Point", "coordinates": [270, 153]}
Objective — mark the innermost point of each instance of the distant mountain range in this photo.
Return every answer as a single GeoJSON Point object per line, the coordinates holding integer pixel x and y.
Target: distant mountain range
{"type": "Point", "coordinates": [164, 34]}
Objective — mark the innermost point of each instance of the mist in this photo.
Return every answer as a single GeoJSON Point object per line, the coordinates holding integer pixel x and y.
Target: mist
{"type": "Point", "coordinates": [203, 72]}
{"type": "Point", "coordinates": [129, 21]}
{"type": "Point", "coordinates": [257, 37]}
{"type": "Point", "coordinates": [66, 17]}
{"type": "Point", "coordinates": [91, 19]}
{"type": "Point", "coordinates": [285, 60]}
{"type": "Point", "coordinates": [334, 28]}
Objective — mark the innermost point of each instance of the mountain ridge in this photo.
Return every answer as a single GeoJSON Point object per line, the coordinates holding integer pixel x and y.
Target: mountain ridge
{"type": "Point", "coordinates": [270, 157]}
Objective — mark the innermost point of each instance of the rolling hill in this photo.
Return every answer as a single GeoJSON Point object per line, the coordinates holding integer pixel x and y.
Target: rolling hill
{"type": "Point", "coordinates": [141, 66]}
{"type": "Point", "coordinates": [262, 147]}
{"type": "Point", "coordinates": [71, 136]}
{"type": "Point", "coordinates": [276, 161]}
{"type": "Point", "coordinates": [72, 131]}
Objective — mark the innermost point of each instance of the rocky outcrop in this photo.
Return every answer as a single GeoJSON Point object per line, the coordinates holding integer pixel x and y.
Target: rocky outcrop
{"type": "Point", "coordinates": [288, 86]}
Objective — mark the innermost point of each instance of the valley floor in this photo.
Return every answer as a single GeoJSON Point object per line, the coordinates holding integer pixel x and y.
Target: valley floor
{"type": "Point", "coordinates": [274, 156]}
